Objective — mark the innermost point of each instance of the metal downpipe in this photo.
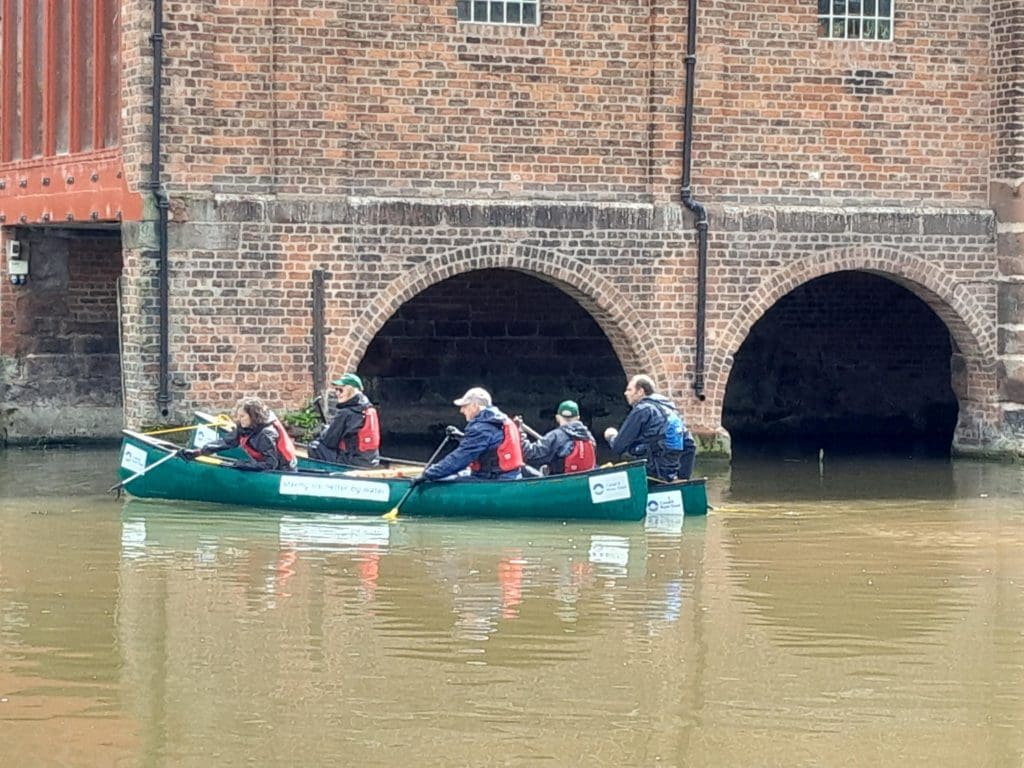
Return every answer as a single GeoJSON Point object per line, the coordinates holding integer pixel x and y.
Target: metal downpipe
{"type": "Point", "coordinates": [699, 211]}
{"type": "Point", "coordinates": [163, 397]}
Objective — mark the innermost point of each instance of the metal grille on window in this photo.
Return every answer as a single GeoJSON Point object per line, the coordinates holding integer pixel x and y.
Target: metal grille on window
{"type": "Point", "coordinates": [855, 19]}
{"type": "Point", "coordinates": [498, 11]}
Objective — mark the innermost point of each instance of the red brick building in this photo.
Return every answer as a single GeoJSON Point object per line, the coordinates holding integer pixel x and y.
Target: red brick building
{"type": "Point", "coordinates": [440, 194]}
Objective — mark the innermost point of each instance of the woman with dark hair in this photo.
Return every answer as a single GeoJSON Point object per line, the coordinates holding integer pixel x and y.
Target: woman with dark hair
{"type": "Point", "coordinates": [260, 434]}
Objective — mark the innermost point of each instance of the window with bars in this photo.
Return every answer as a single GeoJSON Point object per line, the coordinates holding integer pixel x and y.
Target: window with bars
{"type": "Point", "coordinates": [855, 19]}
{"type": "Point", "coordinates": [499, 11]}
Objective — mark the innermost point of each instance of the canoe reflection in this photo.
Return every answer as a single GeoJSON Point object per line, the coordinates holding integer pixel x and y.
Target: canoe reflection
{"type": "Point", "coordinates": [493, 593]}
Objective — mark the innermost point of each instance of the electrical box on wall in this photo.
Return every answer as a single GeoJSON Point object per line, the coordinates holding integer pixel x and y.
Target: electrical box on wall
{"type": "Point", "coordinates": [17, 262]}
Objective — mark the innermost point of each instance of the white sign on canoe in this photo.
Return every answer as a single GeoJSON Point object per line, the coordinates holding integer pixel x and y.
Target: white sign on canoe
{"type": "Point", "coordinates": [610, 487]}
{"type": "Point", "coordinates": [133, 459]}
{"type": "Point", "coordinates": [665, 503]}
{"type": "Point", "coordinates": [205, 435]}
{"type": "Point", "coordinates": [334, 488]}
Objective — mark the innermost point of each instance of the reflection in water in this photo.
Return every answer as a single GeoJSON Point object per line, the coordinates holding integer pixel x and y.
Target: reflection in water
{"type": "Point", "coordinates": [810, 620]}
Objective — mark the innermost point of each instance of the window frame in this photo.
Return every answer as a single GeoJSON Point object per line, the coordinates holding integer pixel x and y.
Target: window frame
{"type": "Point", "coordinates": [472, 7]}
{"type": "Point", "coordinates": [856, 22]}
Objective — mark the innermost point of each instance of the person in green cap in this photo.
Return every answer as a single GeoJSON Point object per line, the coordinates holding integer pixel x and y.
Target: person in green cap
{"type": "Point", "coordinates": [567, 448]}
{"type": "Point", "coordinates": [353, 436]}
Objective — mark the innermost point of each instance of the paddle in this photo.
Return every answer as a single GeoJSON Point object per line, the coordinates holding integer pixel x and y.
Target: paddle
{"type": "Point", "coordinates": [139, 474]}
{"type": "Point", "coordinates": [219, 421]}
{"type": "Point", "coordinates": [529, 430]}
{"type": "Point", "coordinates": [527, 469]}
{"type": "Point", "coordinates": [392, 513]}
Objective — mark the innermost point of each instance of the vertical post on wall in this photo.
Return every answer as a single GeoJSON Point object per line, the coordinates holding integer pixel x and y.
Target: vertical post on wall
{"type": "Point", "coordinates": [319, 332]}
{"type": "Point", "coordinates": [163, 397]}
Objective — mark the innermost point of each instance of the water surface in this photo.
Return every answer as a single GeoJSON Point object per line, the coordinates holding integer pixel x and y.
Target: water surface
{"type": "Point", "coordinates": [859, 613]}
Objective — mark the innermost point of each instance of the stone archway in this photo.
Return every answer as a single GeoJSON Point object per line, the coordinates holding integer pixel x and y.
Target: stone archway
{"type": "Point", "coordinates": [959, 309]}
{"type": "Point", "coordinates": [632, 340]}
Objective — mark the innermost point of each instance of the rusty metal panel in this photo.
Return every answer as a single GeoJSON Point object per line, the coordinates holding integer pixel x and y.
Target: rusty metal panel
{"type": "Point", "coordinates": [60, 86]}
{"type": "Point", "coordinates": [60, 82]}
{"type": "Point", "coordinates": [10, 110]}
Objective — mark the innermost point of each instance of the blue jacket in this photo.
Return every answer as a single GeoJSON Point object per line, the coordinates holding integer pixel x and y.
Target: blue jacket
{"type": "Point", "coordinates": [484, 432]}
{"type": "Point", "coordinates": [643, 432]}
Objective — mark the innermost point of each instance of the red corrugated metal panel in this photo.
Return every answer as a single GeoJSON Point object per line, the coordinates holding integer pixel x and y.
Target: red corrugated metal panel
{"type": "Point", "coordinates": [61, 62]}
{"type": "Point", "coordinates": [60, 85]}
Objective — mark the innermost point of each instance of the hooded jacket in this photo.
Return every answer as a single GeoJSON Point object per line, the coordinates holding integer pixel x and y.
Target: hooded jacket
{"type": "Point", "coordinates": [554, 446]}
{"type": "Point", "coordinates": [643, 432]}
{"type": "Point", "coordinates": [484, 433]}
{"type": "Point", "coordinates": [348, 419]}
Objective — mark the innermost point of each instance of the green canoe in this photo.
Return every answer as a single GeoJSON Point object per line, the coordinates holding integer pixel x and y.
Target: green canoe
{"type": "Point", "coordinates": [665, 500]}
{"type": "Point", "coordinates": [150, 468]}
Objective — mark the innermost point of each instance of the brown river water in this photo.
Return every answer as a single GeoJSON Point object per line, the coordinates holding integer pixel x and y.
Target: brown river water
{"type": "Point", "coordinates": [857, 613]}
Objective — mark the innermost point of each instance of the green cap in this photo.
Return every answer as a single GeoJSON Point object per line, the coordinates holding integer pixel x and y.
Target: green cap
{"type": "Point", "coordinates": [568, 409]}
{"type": "Point", "coordinates": [349, 379]}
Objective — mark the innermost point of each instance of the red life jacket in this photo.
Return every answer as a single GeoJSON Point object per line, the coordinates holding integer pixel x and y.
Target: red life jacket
{"type": "Point", "coordinates": [581, 458]}
{"type": "Point", "coordinates": [507, 457]}
{"type": "Point", "coordinates": [285, 446]}
{"type": "Point", "coordinates": [368, 436]}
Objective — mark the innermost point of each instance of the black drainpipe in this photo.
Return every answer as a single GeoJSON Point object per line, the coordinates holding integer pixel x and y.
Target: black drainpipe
{"type": "Point", "coordinates": [698, 210]}
{"type": "Point", "coordinates": [163, 397]}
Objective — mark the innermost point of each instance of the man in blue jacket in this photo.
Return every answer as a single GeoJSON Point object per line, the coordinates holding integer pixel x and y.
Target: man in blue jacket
{"type": "Point", "coordinates": [654, 430]}
{"type": "Point", "coordinates": [490, 446]}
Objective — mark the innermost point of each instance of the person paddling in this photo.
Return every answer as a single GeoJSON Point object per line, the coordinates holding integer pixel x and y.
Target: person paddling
{"type": "Point", "coordinates": [491, 447]}
{"type": "Point", "coordinates": [654, 430]}
{"type": "Point", "coordinates": [260, 434]}
{"type": "Point", "coordinates": [567, 448]}
{"type": "Point", "coordinates": [353, 436]}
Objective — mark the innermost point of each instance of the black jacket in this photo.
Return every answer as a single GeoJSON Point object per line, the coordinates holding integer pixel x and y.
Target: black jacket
{"type": "Point", "coordinates": [349, 418]}
{"type": "Point", "coordinates": [261, 437]}
{"type": "Point", "coordinates": [553, 447]}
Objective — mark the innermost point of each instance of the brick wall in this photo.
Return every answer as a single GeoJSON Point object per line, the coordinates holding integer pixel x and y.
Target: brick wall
{"type": "Point", "coordinates": [527, 342]}
{"type": "Point", "coordinates": [786, 117]}
{"type": "Point", "coordinates": [396, 148]}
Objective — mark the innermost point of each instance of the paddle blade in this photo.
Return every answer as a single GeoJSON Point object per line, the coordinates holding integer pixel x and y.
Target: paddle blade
{"type": "Point", "coordinates": [391, 514]}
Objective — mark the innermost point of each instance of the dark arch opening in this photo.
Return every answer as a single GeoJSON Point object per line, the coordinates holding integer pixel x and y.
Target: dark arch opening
{"type": "Point", "coordinates": [525, 340]}
{"type": "Point", "coordinates": [851, 363]}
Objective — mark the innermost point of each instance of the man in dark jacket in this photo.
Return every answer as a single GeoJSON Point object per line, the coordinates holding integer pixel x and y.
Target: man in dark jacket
{"type": "Point", "coordinates": [654, 430]}
{"type": "Point", "coordinates": [353, 435]}
{"type": "Point", "coordinates": [570, 438]}
{"type": "Point", "coordinates": [485, 446]}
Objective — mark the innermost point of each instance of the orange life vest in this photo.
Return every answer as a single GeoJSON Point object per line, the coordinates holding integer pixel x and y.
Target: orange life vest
{"type": "Point", "coordinates": [285, 446]}
{"type": "Point", "coordinates": [508, 456]}
{"type": "Point", "coordinates": [581, 458]}
{"type": "Point", "coordinates": [368, 436]}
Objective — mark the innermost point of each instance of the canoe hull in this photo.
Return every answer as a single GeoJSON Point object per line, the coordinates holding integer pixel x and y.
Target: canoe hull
{"type": "Point", "coordinates": [614, 493]}
{"type": "Point", "coordinates": [687, 497]}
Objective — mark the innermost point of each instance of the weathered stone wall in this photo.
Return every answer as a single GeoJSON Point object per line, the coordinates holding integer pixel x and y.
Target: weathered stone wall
{"type": "Point", "coordinates": [62, 377]}
{"type": "Point", "coordinates": [1007, 193]}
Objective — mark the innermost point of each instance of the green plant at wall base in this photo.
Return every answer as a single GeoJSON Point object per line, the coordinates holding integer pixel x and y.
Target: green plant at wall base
{"type": "Point", "coordinates": [306, 423]}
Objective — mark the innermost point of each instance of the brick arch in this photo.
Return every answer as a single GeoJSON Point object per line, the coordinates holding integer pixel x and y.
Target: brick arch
{"type": "Point", "coordinates": [630, 337]}
{"type": "Point", "coordinates": [954, 303]}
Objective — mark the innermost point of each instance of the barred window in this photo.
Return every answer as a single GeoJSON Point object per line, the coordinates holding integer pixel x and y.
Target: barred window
{"type": "Point", "coordinates": [855, 19]}
{"type": "Point", "coordinates": [499, 11]}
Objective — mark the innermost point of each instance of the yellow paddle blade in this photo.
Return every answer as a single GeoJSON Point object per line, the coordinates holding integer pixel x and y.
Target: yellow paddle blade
{"type": "Point", "coordinates": [392, 514]}
{"type": "Point", "coordinates": [209, 460]}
